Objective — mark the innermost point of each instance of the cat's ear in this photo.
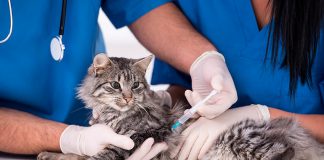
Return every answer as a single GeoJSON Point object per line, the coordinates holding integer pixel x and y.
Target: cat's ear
{"type": "Point", "coordinates": [100, 63]}
{"type": "Point", "coordinates": [144, 62]}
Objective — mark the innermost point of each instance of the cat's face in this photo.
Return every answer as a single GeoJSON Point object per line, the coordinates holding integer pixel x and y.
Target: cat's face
{"type": "Point", "coordinates": [118, 82]}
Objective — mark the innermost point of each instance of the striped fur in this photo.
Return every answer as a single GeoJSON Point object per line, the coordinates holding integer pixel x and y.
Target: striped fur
{"type": "Point", "coordinates": [278, 139]}
{"type": "Point", "coordinates": [144, 118]}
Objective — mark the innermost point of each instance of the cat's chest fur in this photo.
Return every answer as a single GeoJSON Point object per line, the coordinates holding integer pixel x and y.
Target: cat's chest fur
{"type": "Point", "coordinates": [149, 116]}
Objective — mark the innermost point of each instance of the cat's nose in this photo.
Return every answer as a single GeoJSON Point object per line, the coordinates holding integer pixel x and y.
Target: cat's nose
{"type": "Point", "coordinates": [128, 99]}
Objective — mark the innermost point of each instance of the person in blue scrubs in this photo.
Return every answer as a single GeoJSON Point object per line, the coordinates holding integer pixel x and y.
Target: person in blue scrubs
{"type": "Point", "coordinates": [39, 110]}
{"type": "Point", "coordinates": [292, 85]}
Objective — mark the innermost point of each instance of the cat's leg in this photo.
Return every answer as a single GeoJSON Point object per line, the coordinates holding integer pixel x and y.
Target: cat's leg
{"type": "Point", "coordinates": [112, 153]}
{"type": "Point", "coordinates": [59, 156]}
{"type": "Point", "coordinates": [93, 121]}
{"type": "Point", "coordinates": [94, 118]}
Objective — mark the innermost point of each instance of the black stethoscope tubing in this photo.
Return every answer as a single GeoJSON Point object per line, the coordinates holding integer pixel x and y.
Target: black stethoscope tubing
{"type": "Point", "coordinates": [63, 15]}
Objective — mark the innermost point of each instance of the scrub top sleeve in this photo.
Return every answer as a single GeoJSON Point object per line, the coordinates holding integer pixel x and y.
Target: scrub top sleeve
{"type": "Point", "coordinates": [163, 73]}
{"type": "Point", "coordinates": [125, 12]}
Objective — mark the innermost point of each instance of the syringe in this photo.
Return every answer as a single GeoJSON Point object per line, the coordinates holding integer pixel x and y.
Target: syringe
{"type": "Point", "coordinates": [192, 111]}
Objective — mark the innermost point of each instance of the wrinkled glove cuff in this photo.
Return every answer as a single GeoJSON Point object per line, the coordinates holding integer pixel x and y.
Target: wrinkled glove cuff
{"type": "Point", "coordinates": [204, 56]}
{"type": "Point", "coordinates": [70, 139]}
{"type": "Point", "coordinates": [264, 111]}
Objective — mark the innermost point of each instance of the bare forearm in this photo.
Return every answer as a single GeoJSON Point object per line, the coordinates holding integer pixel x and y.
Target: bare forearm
{"type": "Point", "coordinates": [314, 123]}
{"type": "Point", "coordinates": [23, 133]}
{"type": "Point", "coordinates": [166, 32]}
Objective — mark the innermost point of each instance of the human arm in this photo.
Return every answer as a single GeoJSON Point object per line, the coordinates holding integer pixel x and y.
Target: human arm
{"type": "Point", "coordinates": [312, 122]}
{"type": "Point", "coordinates": [23, 133]}
{"type": "Point", "coordinates": [176, 92]}
{"type": "Point", "coordinates": [167, 33]}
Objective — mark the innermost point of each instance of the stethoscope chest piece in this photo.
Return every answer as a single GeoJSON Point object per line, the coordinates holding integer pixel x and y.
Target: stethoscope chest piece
{"type": "Point", "coordinates": [57, 48]}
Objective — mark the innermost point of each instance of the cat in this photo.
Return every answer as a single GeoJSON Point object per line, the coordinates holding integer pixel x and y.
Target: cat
{"type": "Point", "coordinates": [120, 97]}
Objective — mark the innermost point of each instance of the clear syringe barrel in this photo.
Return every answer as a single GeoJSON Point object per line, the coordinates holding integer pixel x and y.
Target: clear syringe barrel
{"type": "Point", "coordinates": [185, 117]}
{"type": "Point", "coordinates": [193, 110]}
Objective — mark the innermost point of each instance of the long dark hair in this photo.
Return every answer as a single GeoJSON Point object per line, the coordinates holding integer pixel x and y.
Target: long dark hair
{"type": "Point", "coordinates": [296, 25]}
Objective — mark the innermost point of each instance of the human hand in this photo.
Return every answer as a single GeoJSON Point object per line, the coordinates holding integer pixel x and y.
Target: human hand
{"type": "Point", "coordinates": [209, 72]}
{"type": "Point", "coordinates": [199, 136]}
{"type": "Point", "coordinates": [91, 140]}
{"type": "Point", "coordinates": [147, 150]}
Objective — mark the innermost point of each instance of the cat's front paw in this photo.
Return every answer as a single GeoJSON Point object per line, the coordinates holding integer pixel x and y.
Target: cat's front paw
{"type": "Point", "coordinates": [46, 156]}
{"type": "Point", "coordinates": [93, 121]}
{"type": "Point", "coordinates": [59, 156]}
{"type": "Point", "coordinates": [95, 118]}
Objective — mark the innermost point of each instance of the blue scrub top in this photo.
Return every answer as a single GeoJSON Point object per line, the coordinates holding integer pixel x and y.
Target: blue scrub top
{"type": "Point", "coordinates": [232, 27]}
{"type": "Point", "coordinates": [30, 80]}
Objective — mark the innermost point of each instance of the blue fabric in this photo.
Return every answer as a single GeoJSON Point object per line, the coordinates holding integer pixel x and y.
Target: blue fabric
{"type": "Point", "coordinates": [30, 80]}
{"type": "Point", "coordinates": [124, 12]}
{"type": "Point", "coordinates": [231, 26]}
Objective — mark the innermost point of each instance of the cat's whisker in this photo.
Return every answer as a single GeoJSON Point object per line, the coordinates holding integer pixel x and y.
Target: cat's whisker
{"type": "Point", "coordinates": [141, 107]}
{"type": "Point", "coordinates": [78, 109]}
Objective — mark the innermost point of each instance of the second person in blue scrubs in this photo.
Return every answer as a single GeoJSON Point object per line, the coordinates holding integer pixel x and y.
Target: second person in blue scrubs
{"type": "Point", "coordinates": [292, 85]}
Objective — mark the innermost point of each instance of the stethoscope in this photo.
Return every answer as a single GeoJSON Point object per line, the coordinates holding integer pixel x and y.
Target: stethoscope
{"type": "Point", "coordinates": [57, 47]}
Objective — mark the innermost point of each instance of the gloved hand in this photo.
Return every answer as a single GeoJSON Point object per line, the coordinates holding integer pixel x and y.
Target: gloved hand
{"type": "Point", "coordinates": [91, 140]}
{"type": "Point", "coordinates": [199, 136]}
{"type": "Point", "coordinates": [146, 151]}
{"type": "Point", "coordinates": [209, 72]}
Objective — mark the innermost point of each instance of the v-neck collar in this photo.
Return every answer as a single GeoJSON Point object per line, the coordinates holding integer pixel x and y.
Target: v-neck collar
{"type": "Point", "coordinates": [247, 18]}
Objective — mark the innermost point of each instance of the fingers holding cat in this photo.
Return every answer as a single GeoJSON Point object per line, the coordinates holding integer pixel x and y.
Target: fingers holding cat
{"type": "Point", "coordinates": [147, 150]}
{"type": "Point", "coordinates": [91, 140]}
{"type": "Point", "coordinates": [199, 137]}
{"type": "Point", "coordinates": [194, 137]}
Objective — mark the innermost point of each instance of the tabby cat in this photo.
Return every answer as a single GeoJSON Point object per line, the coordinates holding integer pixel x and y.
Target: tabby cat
{"type": "Point", "coordinates": [120, 97]}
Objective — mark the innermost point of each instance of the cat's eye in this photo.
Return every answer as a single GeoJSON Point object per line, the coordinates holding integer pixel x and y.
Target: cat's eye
{"type": "Point", "coordinates": [135, 85]}
{"type": "Point", "coordinates": [115, 85]}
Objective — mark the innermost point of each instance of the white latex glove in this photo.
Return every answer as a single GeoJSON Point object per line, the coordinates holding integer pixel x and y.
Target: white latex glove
{"type": "Point", "coordinates": [209, 72]}
{"type": "Point", "coordinates": [147, 150]}
{"type": "Point", "coordinates": [165, 98]}
{"type": "Point", "coordinates": [91, 140]}
{"type": "Point", "coordinates": [199, 136]}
